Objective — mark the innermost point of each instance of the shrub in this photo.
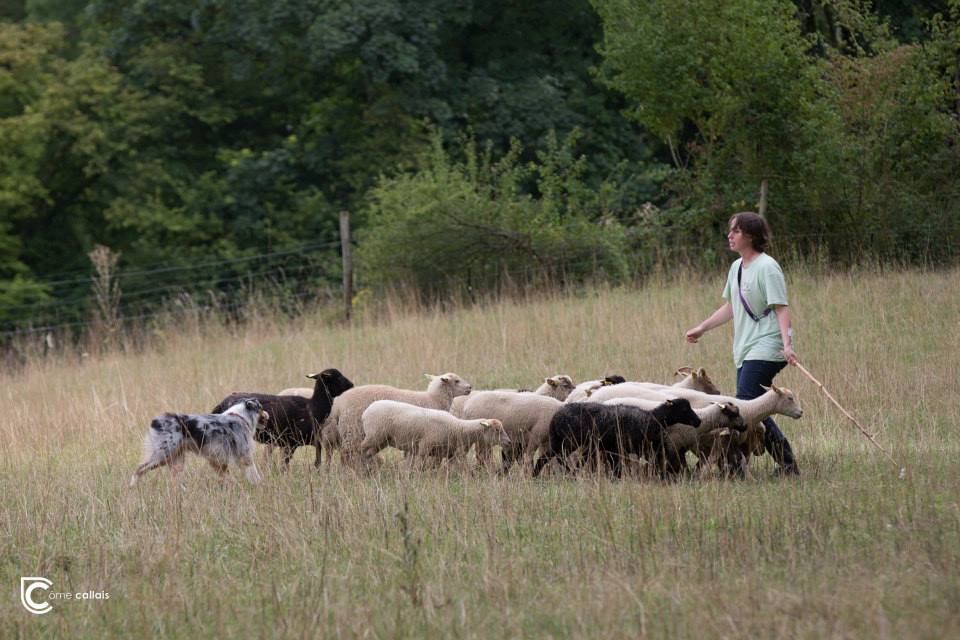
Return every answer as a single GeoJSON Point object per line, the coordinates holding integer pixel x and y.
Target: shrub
{"type": "Point", "coordinates": [472, 221]}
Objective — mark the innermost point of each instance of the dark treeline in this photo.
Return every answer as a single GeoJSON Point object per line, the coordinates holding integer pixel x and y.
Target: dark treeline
{"type": "Point", "coordinates": [210, 143]}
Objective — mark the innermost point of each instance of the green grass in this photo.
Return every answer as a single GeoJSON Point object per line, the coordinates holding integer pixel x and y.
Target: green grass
{"type": "Point", "coordinates": [848, 551]}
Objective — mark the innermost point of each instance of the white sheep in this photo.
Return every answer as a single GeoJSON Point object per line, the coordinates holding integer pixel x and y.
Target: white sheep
{"type": "Point", "coordinates": [558, 386]}
{"type": "Point", "coordinates": [344, 427]}
{"type": "Point", "coordinates": [584, 390]}
{"type": "Point", "coordinates": [689, 379]}
{"type": "Point", "coordinates": [424, 433]}
{"type": "Point", "coordinates": [644, 390]}
{"type": "Point", "coordinates": [522, 415]}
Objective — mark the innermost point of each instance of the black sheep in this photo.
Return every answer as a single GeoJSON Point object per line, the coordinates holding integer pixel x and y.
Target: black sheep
{"type": "Point", "coordinates": [611, 432]}
{"type": "Point", "coordinates": [294, 420]}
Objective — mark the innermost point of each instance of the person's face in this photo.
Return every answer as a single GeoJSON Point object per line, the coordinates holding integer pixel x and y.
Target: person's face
{"type": "Point", "coordinates": [737, 240]}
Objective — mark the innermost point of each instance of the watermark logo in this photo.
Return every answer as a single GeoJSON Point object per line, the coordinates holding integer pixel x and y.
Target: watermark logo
{"type": "Point", "coordinates": [27, 587]}
{"type": "Point", "coordinates": [39, 604]}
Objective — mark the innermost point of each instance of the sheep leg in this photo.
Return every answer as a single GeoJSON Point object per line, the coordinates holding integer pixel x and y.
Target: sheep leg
{"type": "Point", "coordinates": [614, 461]}
{"type": "Point", "coordinates": [267, 455]}
{"type": "Point", "coordinates": [545, 457]}
{"type": "Point", "coordinates": [508, 456]}
{"type": "Point", "coordinates": [483, 453]}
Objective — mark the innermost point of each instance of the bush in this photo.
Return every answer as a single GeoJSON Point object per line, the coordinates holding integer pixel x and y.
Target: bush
{"type": "Point", "coordinates": [474, 222]}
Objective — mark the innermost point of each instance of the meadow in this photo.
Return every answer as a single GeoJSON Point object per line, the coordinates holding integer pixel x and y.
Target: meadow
{"type": "Point", "coordinates": [849, 550]}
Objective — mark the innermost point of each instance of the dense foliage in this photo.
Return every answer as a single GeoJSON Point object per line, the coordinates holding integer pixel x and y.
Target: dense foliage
{"type": "Point", "coordinates": [212, 144]}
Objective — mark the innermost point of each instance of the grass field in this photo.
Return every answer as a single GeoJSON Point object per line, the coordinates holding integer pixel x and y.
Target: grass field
{"type": "Point", "coordinates": [847, 551]}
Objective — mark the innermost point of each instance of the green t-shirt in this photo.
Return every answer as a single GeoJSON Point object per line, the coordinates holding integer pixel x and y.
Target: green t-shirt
{"type": "Point", "coordinates": [762, 285]}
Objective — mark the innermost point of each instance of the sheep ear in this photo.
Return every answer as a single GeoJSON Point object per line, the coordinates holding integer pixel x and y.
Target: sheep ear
{"type": "Point", "coordinates": [701, 372]}
{"type": "Point", "coordinates": [313, 376]}
{"type": "Point", "coordinates": [446, 378]}
{"type": "Point", "coordinates": [776, 388]}
{"type": "Point", "coordinates": [551, 381]}
{"type": "Point", "coordinates": [669, 403]}
{"type": "Point", "coordinates": [429, 376]}
{"type": "Point", "coordinates": [683, 371]}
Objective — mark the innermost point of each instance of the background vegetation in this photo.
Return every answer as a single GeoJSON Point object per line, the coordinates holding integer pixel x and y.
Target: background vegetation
{"type": "Point", "coordinates": [847, 551]}
{"type": "Point", "coordinates": [212, 145]}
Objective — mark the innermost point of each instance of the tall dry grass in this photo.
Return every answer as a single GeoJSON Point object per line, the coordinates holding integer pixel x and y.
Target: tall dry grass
{"type": "Point", "coordinates": [849, 551]}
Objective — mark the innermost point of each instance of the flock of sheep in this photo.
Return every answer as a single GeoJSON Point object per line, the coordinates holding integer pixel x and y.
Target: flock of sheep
{"type": "Point", "coordinates": [601, 423]}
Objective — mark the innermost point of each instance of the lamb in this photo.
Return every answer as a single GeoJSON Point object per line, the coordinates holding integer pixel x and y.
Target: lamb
{"type": "Point", "coordinates": [344, 427]}
{"type": "Point", "coordinates": [294, 420]}
{"type": "Point", "coordinates": [615, 431]}
{"type": "Point", "coordinates": [522, 415]}
{"type": "Point", "coordinates": [424, 433]}
{"type": "Point", "coordinates": [585, 389]}
{"type": "Point", "coordinates": [682, 438]}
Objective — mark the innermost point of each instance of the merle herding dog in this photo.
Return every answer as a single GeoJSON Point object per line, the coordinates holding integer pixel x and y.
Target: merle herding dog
{"type": "Point", "coordinates": [222, 438]}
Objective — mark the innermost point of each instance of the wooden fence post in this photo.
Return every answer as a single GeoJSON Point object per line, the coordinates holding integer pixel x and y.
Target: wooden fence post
{"type": "Point", "coordinates": [762, 207]}
{"type": "Point", "coordinates": [345, 252]}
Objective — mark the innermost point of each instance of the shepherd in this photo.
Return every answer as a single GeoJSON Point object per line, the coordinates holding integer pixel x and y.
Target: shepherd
{"type": "Point", "coordinates": [755, 298]}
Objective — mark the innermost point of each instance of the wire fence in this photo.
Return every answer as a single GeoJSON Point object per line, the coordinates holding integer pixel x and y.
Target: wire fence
{"type": "Point", "coordinates": [289, 280]}
{"type": "Point", "coordinates": [295, 274]}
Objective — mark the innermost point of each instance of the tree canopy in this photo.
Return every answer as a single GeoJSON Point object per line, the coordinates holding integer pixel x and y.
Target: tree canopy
{"type": "Point", "coordinates": [196, 139]}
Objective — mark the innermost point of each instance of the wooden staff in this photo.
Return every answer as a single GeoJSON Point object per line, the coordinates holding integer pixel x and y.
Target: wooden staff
{"type": "Point", "coordinates": [870, 436]}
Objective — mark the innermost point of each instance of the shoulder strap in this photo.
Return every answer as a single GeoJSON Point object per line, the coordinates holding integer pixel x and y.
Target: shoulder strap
{"type": "Point", "coordinates": [743, 301]}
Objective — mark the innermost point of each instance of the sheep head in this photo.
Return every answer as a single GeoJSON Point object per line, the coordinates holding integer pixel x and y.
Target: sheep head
{"type": "Point", "coordinates": [560, 381]}
{"type": "Point", "coordinates": [697, 379]}
{"type": "Point", "coordinates": [455, 385]}
{"type": "Point", "coordinates": [496, 431]}
{"type": "Point", "coordinates": [787, 403]}
{"type": "Point", "coordinates": [731, 412]}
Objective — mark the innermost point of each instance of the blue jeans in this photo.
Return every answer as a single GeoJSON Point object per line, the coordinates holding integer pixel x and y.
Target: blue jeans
{"type": "Point", "coordinates": [750, 375]}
